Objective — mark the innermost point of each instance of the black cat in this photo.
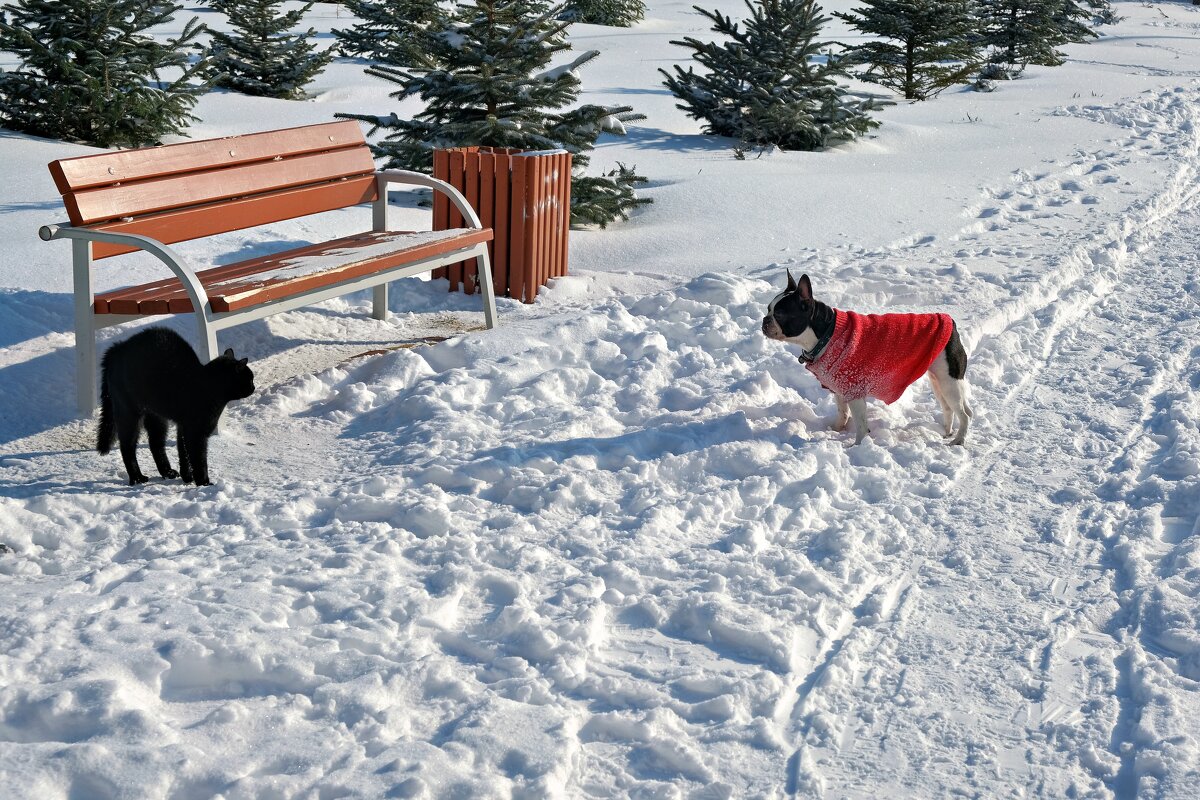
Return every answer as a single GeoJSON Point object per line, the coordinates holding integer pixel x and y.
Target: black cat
{"type": "Point", "coordinates": [154, 377]}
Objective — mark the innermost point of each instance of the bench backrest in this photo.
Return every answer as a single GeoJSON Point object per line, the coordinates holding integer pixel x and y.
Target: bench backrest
{"type": "Point", "coordinates": [179, 192]}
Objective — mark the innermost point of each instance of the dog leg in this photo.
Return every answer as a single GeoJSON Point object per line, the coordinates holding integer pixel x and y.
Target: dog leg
{"type": "Point", "coordinates": [952, 393]}
{"type": "Point", "coordinates": [947, 413]}
{"type": "Point", "coordinates": [956, 392]}
{"type": "Point", "coordinates": [858, 409]}
{"type": "Point", "coordinates": [843, 413]}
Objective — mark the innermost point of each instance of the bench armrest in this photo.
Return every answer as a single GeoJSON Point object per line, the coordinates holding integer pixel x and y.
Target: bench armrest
{"type": "Point", "coordinates": [420, 179]}
{"type": "Point", "coordinates": [173, 260]}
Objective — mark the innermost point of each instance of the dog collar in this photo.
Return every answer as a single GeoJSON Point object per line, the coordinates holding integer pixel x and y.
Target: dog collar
{"type": "Point", "coordinates": [809, 356]}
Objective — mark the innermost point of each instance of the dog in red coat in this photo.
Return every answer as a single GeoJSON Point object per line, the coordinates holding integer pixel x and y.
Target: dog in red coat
{"type": "Point", "coordinates": [857, 356]}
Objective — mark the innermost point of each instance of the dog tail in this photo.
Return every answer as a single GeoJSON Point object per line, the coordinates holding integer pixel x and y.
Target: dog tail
{"type": "Point", "coordinates": [106, 432]}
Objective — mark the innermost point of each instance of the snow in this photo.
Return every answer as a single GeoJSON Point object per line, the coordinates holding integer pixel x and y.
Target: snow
{"type": "Point", "coordinates": [611, 548]}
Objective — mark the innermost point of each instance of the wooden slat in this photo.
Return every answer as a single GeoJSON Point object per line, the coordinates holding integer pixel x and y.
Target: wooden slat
{"type": "Point", "coordinates": [178, 302]}
{"type": "Point", "coordinates": [168, 293]}
{"type": "Point", "coordinates": [471, 192]}
{"type": "Point", "coordinates": [75, 174]}
{"type": "Point", "coordinates": [537, 254]}
{"type": "Point", "coordinates": [441, 204]}
{"type": "Point", "coordinates": [564, 211]}
{"type": "Point", "coordinates": [487, 207]}
{"type": "Point", "coordinates": [162, 194]}
{"type": "Point", "coordinates": [277, 290]}
{"type": "Point", "coordinates": [500, 248]}
{"type": "Point", "coordinates": [565, 193]}
{"type": "Point", "coordinates": [242, 285]}
{"type": "Point", "coordinates": [233, 215]}
{"type": "Point", "coordinates": [457, 159]}
{"type": "Point", "coordinates": [556, 216]}
{"type": "Point", "coordinates": [518, 273]}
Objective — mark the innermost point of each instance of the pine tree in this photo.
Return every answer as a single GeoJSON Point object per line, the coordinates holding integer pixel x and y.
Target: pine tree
{"type": "Point", "coordinates": [260, 57]}
{"type": "Point", "coordinates": [1023, 32]}
{"type": "Point", "coordinates": [89, 73]}
{"type": "Point", "coordinates": [491, 86]}
{"type": "Point", "coordinates": [616, 13]}
{"type": "Point", "coordinates": [922, 46]}
{"type": "Point", "coordinates": [392, 31]}
{"type": "Point", "coordinates": [767, 84]}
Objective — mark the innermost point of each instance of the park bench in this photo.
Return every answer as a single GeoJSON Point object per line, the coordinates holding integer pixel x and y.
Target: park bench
{"type": "Point", "coordinates": [149, 198]}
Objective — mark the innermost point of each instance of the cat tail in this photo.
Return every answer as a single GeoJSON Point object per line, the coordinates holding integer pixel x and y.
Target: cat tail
{"type": "Point", "coordinates": [106, 433]}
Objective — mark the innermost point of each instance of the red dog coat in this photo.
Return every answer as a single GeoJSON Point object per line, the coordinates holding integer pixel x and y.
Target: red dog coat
{"type": "Point", "coordinates": [880, 355]}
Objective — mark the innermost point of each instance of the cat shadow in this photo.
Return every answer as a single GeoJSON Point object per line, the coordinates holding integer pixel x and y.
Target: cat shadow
{"type": "Point", "coordinates": [15, 490]}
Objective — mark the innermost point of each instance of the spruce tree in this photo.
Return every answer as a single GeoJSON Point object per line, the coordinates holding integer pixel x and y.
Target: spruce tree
{"type": "Point", "coordinates": [261, 57]}
{"type": "Point", "coordinates": [615, 13]}
{"type": "Point", "coordinates": [767, 84]}
{"type": "Point", "coordinates": [90, 73]}
{"type": "Point", "coordinates": [1023, 32]}
{"type": "Point", "coordinates": [392, 31]}
{"type": "Point", "coordinates": [491, 86]}
{"type": "Point", "coordinates": [921, 46]}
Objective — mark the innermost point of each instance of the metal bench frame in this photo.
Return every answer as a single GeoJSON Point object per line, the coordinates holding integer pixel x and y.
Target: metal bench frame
{"type": "Point", "coordinates": [88, 322]}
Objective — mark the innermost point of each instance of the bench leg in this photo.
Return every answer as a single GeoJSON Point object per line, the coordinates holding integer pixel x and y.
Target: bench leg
{"type": "Point", "coordinates": [207, 340]}
{"type": "Point", "coordinates": [483, 272]}
{"type": "Point", "coordinates": [379, 309]}
{"type": "Point", "coordinates": [85, 327]}
{"type": "Point", "coordinates": [85, 365]}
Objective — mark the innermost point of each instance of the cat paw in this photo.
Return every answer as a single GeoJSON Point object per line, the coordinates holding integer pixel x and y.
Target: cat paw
{"type": "Point", "coordinates": [134, 480]}
{"type": "Point", "coordinates": [170, 474]}
{"type": "Point", "coordinates": [203, 482]}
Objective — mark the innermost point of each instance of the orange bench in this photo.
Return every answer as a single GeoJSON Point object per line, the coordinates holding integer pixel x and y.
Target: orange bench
{"type": "Point", "coordinates": [149, 198]}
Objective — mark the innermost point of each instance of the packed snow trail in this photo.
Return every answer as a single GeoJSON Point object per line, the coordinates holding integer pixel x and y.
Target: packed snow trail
{"type": "Point", "coordinates": [1048, 629]}
{"type": "Point", "coordinates": [1064, 618]}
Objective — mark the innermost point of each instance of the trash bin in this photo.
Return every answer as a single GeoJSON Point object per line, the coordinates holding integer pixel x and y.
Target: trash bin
{"type": "Point", "coordinates": [525, 198]}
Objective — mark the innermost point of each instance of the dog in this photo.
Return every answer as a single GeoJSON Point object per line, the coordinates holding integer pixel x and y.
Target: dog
{"type": "Point", "coordinates": [857, 356]}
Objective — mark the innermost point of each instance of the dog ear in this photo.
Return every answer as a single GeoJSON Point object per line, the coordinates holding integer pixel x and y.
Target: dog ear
{"type": "Point", "coordinates": [791, 287]}
{"type": "Point", "coordinates": [805, 288]}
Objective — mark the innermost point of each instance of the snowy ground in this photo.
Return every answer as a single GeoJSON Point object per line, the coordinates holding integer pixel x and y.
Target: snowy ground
{"type": "Point", "coordinates": [612, 548]}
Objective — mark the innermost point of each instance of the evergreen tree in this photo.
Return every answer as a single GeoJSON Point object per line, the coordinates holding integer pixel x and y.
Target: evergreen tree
{"type": "Point", "coordinates": [90, 74]}
{"type": "Point", "coordinates": [923, 46]}
{"type": "Point", "coordinates": [392, 31]}
{"type": "Point", "coordinates": [767, 83]}
{"type": "Point", "coordinates": [260, 57]}
{"type": "Point", "coordinates": [491, 86]}
{"type": "Point", "coordinates": [616, 13]}
{"type": "Point", "coordinates": [1023, 32]}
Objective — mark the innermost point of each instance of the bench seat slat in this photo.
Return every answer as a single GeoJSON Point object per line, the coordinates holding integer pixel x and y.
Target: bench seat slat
{"type": "Point", "coordinates": [161, 194]}
{"type": "Point", "coordinates": [259, 280]}
{"type": "Point", "coordinates": [86, 172]}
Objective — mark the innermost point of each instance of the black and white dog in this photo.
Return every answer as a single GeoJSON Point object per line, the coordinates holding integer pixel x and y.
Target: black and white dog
{"type": "Point", "coordinates": [857, 356]}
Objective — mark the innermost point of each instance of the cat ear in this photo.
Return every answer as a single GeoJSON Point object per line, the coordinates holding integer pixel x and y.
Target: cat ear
{"type": "Point", "coordinates": [242, 361]}
{"type": "Point", "coordinates": [228, 352]}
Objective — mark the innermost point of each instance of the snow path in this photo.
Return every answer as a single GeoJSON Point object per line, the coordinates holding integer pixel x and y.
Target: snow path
{"type": "Point", "coordinates": [1071, 597]}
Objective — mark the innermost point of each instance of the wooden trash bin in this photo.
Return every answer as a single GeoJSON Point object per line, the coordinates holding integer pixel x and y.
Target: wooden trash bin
{"type": "Point", "coordinates": [525, 197]}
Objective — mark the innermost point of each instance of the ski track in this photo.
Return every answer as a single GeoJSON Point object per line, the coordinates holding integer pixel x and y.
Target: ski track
{"type": "Point", "coordinates": [742, 638]}
{"type": "Point", "coordinates": [1117, 754]}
